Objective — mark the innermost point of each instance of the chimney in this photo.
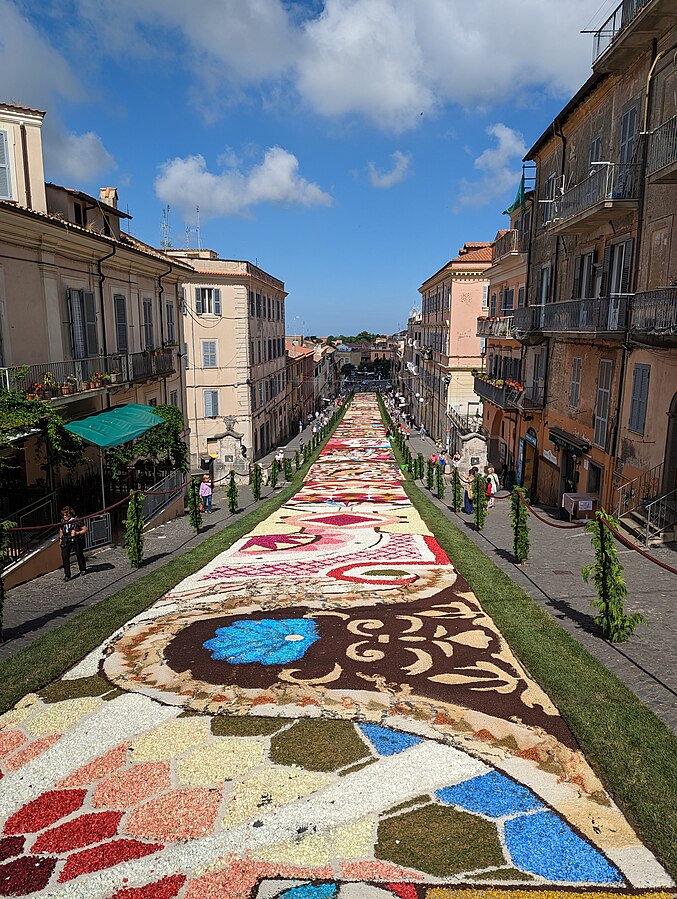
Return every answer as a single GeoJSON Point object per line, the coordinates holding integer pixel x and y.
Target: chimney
{"type": "Point", "coordinates": [109, 195]}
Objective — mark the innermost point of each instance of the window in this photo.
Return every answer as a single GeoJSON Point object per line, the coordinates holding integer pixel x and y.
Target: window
{"type": "Point", "coordinates": [5, 179]}
{"type": "Point", "coordinates": [520, 298]}
{"type": "Point", "coordinates": [253, 396]}
{"type": "Point", "coordinates": [121, 335]}
{"type": "Point", "coordinates": [575, 386]}
{"type": "Point", "coordinates": [595, 154]}
{"type": "Point", "coordinates": [152, 402]}
{"type": "Point", "coordinates": [544, 281]}
{"type": "Point", "coordinates": [207, 301]}
{"type": "Point", "coordinates": [583, 276]}
{"type": "Point", "coordinates": [211, 403]}
{"type": "Point", "coordinates": [174, 398]}
{"type": "Point", "coordinates": [626, 145]}
{"type": "Point", "coordinates": [148, 342]}
{"type": "Point", "coordinates": [492, 308]}
{"type": "Point", "coordinates": [278, 309]}
{"type": "Point", "coordinates": [258, 307]}
{"type": "Point", "coordinates": [595, 473]}
{"type": "Point", "coordinates": [185, 355]}
{"type": "Point", "coordinates": [508, 300]}
{"type": "Point", "coordinates": [80, 214]}
{"type": "Point", "coordinates": [252, 307]}
{"type": "Point", "coordinates": [485, 297]}
{"type": "Point", "coordinates": [640, 397]}
{"type": "Point", "coordinates": [171, 329]}
{"type": "Point", "coordinates": [208, 353]}
{"type": "Point", "coordinates": [270, 348]}
{"type": "Point", "coordinates": [82, 319]}
{"type": "Point", "coordinates": [603, 404]}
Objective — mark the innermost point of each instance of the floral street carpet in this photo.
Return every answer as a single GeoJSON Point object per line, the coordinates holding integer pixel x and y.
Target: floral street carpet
{"type": "Point", "coordinates": [324, 710]}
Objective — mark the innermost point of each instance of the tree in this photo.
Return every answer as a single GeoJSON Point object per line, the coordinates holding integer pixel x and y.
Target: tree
{"type": "Point", "coordinates": [134, 525]}
{"type": "Point", "coordinates": [5, 527]}
{"type": "Point", "coordinates": [520, 525]}
{"type": "Point", "coordinates": [162, 441]}
{"type": "Point", "coordinates": [288, 473]}
{"type": "Point", "coordinates": [274, 469]}
{"type": "Point", "coordinates": [194, 514]}
{"type": "Point", "coordinates": [456, 489]}
{"type": "Point", "coordinates": [429, 475]}
{"type": "Point", "coordinates": [607, 575]}
{"type": "Point", "coordinates": [297, 460]}
{"type": "Point", "coordinates": [231, 493]}
{"type": "Point", "coordinates": [257, 480]}
{"type": "Point", "coordinates": [306, 453]}
{"type": "Point", "coordinates": [440, 482]}
{"type": "Point", "coordinates": [479, 502]}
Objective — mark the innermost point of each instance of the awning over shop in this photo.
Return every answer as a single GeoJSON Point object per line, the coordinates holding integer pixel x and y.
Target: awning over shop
{"type": "Point", "coordinates": [115, 426]}
{"type": "Point", "coordinates": [576, 445]}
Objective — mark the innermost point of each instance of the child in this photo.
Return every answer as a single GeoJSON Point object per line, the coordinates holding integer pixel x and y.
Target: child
{"type": "Point", "coordinates": [206, 494]}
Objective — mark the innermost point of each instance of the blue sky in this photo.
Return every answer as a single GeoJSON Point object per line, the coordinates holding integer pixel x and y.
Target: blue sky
{"type": "Point", "coordinates": [347, 146]}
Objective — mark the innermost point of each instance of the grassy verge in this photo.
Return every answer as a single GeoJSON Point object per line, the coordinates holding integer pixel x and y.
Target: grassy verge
{"type": "Point", "coordinates": [632, 750]}
{"type": "Point", "coordinates": [49, 656]}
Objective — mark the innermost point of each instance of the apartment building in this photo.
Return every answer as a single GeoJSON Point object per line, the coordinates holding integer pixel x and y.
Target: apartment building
{"type": "Point", "coordinates": [601, 311]}
{"type": "Point", "coordinates": [89, 315]}
{"type": "Point", "coordinates": [300, 381]}
{"type": "Point", "coordinates": [234, 357]}
{"type": "Point", "coordinates": [510, 401]}
{"type": "Point", "coordinates": [447, 348]}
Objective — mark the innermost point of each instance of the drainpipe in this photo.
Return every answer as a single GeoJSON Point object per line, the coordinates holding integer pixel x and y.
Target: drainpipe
{"type": "Point", "coordinates": [102, 278]}
{"type": "Point", "coordinates": [161, 291]}
{"type": "Point", "coordinates": [26, 167]}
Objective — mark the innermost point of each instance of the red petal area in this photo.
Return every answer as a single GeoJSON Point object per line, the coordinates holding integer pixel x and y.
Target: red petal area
{"type": "Point", "coordinates": [82, 831]}
{"type": "Point", "coordinates": [25, 875]}
{"type": "Point", "coordinates": [166, 888]}
{"type": "Point", "coordinates": [403, 890]}
{"type": "Point", "coordinates": [11, 846]}
{"type": "Point", "coordinates": [45, 810]}
{"type": "Point", "coordinates": [105, 856]}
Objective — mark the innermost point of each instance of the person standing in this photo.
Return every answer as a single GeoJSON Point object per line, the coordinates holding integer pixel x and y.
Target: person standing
{"type": "Point", "coordinates": [468, 491]}
{"type": "Point", "coordinates": [492, 478]}
{"type": "Point", "coordinates": [301, 445]}
{"type": "Point", "coordinates": [206, 494]}
{"type": "Point", "coordinates": [72, 539]}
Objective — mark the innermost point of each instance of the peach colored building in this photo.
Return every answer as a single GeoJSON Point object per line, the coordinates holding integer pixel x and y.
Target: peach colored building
{"type": "Point", "coordinates": [448, 348]}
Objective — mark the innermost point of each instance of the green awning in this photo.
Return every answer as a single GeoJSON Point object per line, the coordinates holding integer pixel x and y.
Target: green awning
{"type": "Point", "coordinates": [115, 426]}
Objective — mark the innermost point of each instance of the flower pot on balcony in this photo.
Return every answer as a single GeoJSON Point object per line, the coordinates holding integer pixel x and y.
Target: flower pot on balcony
{"type": "Point", "coordinates": [67, 389]}
{"type": "Point", "coordinates": [115, 377]}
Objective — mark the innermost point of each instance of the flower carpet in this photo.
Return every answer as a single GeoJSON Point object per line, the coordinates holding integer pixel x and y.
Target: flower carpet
{"type": "Point", "coordinates": [324, 710]}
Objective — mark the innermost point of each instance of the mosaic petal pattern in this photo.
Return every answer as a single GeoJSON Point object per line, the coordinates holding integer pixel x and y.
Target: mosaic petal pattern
{"type": "Point", "coordinates": [324, 710]}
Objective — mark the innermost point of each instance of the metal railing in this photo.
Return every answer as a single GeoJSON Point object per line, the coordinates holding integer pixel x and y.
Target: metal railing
{"type": "Point", "coordinates": [603, 315]}
{"type": "Point", "coordinates": [532, 397]}
{"type": "Point", "coordinates": [495, 327]}
{"type": "Point", "coordinates": [619, 19]}
{"type": "Point", "coordinates": [99, 531]}
{"type": "Point", "coordinates": [663, 146]}
{"type": "Point", "coordinates": [43, 511]}
{"type": "Point", "coordinates": [505, 245]}
{"type": "Point", "coordinates": [154, 502]}
{"type": "Point", "coordinates": [49, 380]}
{"type": "Point", "coordinates": [610, 181]}
{"type": "Point", "coordinates": [639, 490]}
{"type": "Point", "coordinates": [466, 424]}
{"type": "Point", "coordinates": [655, 312]}
{"type": "Point", "coordinates": [661, 515]}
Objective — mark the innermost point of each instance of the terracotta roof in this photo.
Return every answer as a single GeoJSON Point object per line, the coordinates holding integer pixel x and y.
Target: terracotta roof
{"type": "Point", "coordinates": [20, 108]}
{"type": "Point", "coordinates": [483, 253]}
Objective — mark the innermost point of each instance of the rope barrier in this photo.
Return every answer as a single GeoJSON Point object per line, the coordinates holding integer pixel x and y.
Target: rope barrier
{"type": "Point", "coordinates": [552, 524]}
{"type": "Point", "coordinates": [626, 542]}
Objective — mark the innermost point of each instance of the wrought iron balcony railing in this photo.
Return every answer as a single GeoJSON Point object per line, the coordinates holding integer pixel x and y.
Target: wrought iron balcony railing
{"type": "Point", "coordinates": [663, 146]}
{"type": "Point", "coordinates": [52, 380]}
{"type": "Point", "coordinates": [654, 315]}
{"type": "Point", "coordinates": [506, 245]}
{"type": "Point", "coordinates": [619, 19]}
{"type": "Point", "coordinates": [609, 182]}
{"type": "Point", "coordinates": [604, 315]}
{"type": "Point", "coordinates": [495, 327]}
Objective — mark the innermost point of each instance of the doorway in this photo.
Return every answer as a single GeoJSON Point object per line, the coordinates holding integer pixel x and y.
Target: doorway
{"type": "Point", "coordinates": [670, 464]}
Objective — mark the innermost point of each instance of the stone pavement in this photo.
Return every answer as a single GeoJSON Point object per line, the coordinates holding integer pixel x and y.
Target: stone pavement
{"type": "Point", "coordinates": [647, 663]}
{"type": "Point", "coordinates": [45, 603]}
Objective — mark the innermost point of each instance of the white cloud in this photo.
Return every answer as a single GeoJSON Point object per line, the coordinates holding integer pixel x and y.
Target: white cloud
{"type": "Point", "coordinates": [399, 171]}
{"type": "Point", "coordinates": [76, 158]}
{"type": "Point", "coordinates": [385, 61]}
{"type": "Point", "coordinates": [186, 183]}
{"type": "Point", "coordinates": [498, 166]}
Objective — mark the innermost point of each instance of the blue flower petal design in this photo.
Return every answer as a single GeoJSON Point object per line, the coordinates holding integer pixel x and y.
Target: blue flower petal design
{"type": "Point", "coordinates": [266, 640]}
{"type": "Point", "coordinates": [310, 891]}
{"type": "Point", "coordinates": [543, 844]}
{"type": "Point", "coordinates": [492, 794]}
{"type": "Point", "coordinates": [388, 742]}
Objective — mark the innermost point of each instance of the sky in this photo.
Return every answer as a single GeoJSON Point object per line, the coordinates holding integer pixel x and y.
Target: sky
{"type": "Point", "coordinates": [347, 147]}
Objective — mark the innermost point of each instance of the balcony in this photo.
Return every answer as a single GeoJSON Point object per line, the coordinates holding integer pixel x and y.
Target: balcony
{"type": "Point", "coordinates": [495, 327]}
{"type": "Point", "coordinates": [506, 395]}
{"type": "Point", "coordinates": [607, 316]}
{"type": "Point", "coordinates": [608, 194]}
{"type": "Point", "coordinates": [507, 245]}
{"type": "Point", "coordinates": [662, 163]}
{"type": "Point", "coordinates": [653, 318]}
{"type": "Point", "coordinates": [629, 30]}
{"type": "Point", "coordinates": [63, 382]}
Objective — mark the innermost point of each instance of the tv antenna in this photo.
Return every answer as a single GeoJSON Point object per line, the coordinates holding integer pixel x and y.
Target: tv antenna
{"type": "Point", "coordinates": [196, 229]}
{"type": "Point", "coordinates": [165, 230]}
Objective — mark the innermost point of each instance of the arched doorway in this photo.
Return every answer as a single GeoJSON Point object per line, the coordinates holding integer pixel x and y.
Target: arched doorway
{"type": "Point", "coordinates": [526, 461]}
{"type": "Point", "coordinates": [670, 464]}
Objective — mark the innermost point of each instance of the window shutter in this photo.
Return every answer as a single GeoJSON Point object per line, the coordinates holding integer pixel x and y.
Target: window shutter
{"type": "Point", "coordinates": [578, 267]}
{"type": "Point", "coordinates": [606, 263]}
{"type": "Point", "coordinates": [520, 298]}
{"type": "Point", "coordinates": [640, 397]}
{"type": "Point", "coordinates": [90, 324]}
{"type": "Point", "coordinates": [120, 307]}
{"type": "Point", "coordinates": [198, 301]}
{"type": "Point", "coordinates": [627, 265]}
{"type": "Point", "coordinates": [5, 183]}
{"type": "Point", "coordinates": [208, 404]}
{"type": "Point", "coordinates": [217, 301]}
